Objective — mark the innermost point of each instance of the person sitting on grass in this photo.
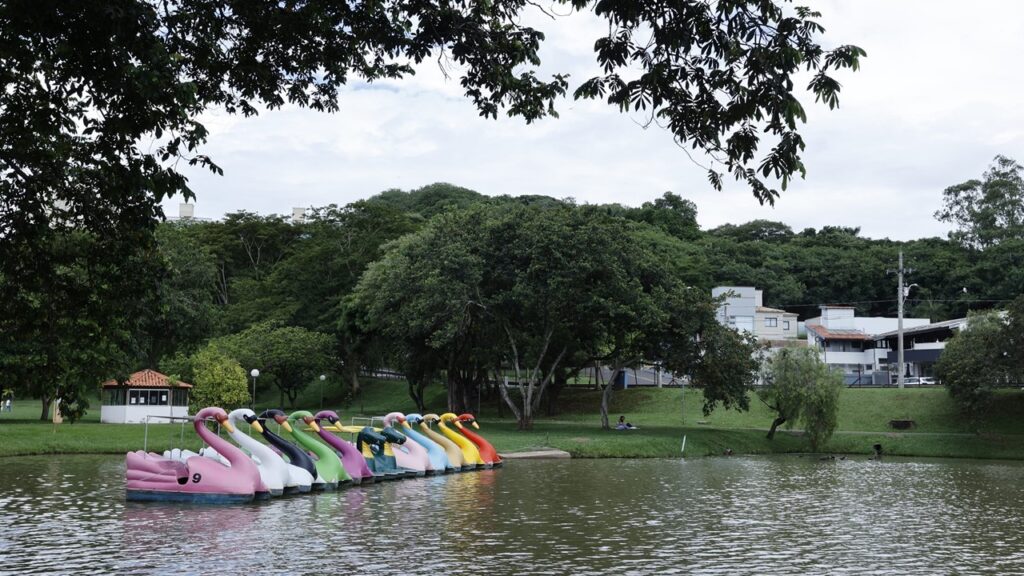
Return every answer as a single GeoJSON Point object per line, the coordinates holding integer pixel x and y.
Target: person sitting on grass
{"type": "Point", "coordinates": [623, 425]}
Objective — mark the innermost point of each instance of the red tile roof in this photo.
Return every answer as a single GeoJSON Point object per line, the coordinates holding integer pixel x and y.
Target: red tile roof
{"type": "Point", "coordinates": [146, 379]}
{"type": "Point", "coordinates": [837, 334]}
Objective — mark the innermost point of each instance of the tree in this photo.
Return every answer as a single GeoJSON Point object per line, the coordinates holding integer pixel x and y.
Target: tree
{"type": "Point", "coordinates": [218, 380]}
{"type": "Point", "coordinates": [820, 411]}
{"type": "Point", "coordinates": [421, 299]}
{"type": "Point", "coordinates": [798, 386]}
{"type": "Point", "coordinates": [492, 287]}
{"type": "Point", "coordinates": [988, 211]}
{"type": "Point", "coordinates": [183, 316]}
{"type": "Point", "coordinates": [978, 360]}
{"type": "Point", "coordinates": [535, 290]}
{"type": "Point", "coordinates": [428, 201]}
{"type": "Point", "coordinates": [248, 249]}
{"type": "Point", "coordinates": [289, 356]}
{"type": "Point", "coordinates": [671, 213]}
{"type": "Point", "coordinates": [756, 231]}
{"type": "Point", "coordinates": [75, 322]}
{"type": "Point", "coordinates": [323, 266]}
{"type": "Point", "coordinates": [725, 367]}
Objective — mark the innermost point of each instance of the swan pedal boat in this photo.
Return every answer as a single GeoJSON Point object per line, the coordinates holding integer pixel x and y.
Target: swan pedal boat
{"type": "Point", "coordinates": [153, 478]}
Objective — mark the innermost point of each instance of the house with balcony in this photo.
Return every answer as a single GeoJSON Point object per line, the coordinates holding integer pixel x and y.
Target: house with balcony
{"type": "Point", "coordinates": [922, 346]}
{"type": "Point", "coordinates": [847, 343]}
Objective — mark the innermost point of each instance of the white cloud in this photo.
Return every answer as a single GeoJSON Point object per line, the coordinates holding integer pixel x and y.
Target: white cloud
{"type": "Point", "coordinates": [936, 99]}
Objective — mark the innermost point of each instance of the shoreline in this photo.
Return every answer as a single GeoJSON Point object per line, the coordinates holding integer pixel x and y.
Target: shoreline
{"type": "Point", "coordinates": [575, 440]}
{"type": "Point", "coordinates": [663, 416]}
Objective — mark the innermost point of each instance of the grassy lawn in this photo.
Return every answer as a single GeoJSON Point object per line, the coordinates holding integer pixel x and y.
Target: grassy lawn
{"type": "Point", "coordinates": [664, 417]}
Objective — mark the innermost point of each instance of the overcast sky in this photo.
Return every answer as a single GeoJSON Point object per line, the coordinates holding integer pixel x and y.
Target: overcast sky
{"type": "Point", "coordinates": [937, 98]}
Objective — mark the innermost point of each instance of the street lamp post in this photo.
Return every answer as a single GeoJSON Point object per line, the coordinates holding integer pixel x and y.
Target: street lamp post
{"type": "Point", "coordinates": [255, 373]}
{"type": "Point", "coordinates": [322, 378]}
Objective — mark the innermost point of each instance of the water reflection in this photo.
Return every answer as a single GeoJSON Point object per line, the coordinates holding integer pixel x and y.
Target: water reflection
{"type": "Point", "coordinates": [736, 515]}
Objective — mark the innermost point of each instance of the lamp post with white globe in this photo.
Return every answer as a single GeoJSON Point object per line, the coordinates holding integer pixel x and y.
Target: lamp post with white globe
{"type": "Point", "coordinates": [322, 378]}
{"type": "Point", "coordinates": [255, 373]}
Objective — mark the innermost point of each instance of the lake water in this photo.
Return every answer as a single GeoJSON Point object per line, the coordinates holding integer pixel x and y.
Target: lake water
{"type": "Point", "coordinates": [778, 515]}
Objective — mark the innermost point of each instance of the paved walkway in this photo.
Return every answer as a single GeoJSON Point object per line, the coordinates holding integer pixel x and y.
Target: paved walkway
{"type": "Point", "coordinates": [535, 455]}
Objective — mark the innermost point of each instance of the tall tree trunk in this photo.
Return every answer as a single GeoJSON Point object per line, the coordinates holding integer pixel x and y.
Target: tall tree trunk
{"type": "Point", "coordinates": [354, 380]}
{"type": "Point", "coordinates": [606, 397]}
{"type": "Point", "coordinates": [775, 424]}
{"type": "Point", "coordinates": [560, 382]}
{"type": "Point", "coordinates": [454, 392]}
{"type": "Point", "coordinates": [503, 389]}
{"type": "Point", "coordinates": [526, 423]}
{"type": "Point", "coordinates": [416, 393]}
{"type": "Point", "coordinates": [45, 415]}
{"type": "Point", "coordinates": [467, 395]}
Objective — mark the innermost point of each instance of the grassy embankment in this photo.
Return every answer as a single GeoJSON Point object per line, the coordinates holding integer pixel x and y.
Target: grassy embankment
{"type": "Point", "coordinates": [664, 418]}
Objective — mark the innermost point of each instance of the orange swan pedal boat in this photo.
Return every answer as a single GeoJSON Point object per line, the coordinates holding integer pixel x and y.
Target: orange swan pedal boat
{"type": "Point", "coordinates": [487, 452]}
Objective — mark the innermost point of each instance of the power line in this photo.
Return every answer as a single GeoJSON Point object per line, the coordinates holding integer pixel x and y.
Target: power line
{"type": "Point", "coordinates": [959, 300]}
{"type": "Point", "coordinates": [837, 303]}
{"type": "Point", "coordinates": [894, 300]}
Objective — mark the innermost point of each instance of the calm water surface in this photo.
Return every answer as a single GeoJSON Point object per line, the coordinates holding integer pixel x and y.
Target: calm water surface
{"type": "Point", "coordinates": [782, 515]}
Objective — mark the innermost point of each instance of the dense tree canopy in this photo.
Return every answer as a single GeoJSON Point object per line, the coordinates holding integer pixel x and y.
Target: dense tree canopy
{"type": "Point", "coordinates": [521, 291]}
{"type": "Point", "coordinates": [79, 323]}
{"type": "Point", "coordinates": [452, 273]}
{"type": "Point", "coordinates": [288, 356]}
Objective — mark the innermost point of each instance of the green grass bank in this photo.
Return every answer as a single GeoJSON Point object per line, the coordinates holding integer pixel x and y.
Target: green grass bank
{"type": "Point", "coordinates": [664, 418]}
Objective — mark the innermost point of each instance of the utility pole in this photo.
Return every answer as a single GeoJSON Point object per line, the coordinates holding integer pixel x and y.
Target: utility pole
{"type": "Point", "coordinates": [901, 295]}
{"type": "Point", "coordinates": [899, 325]}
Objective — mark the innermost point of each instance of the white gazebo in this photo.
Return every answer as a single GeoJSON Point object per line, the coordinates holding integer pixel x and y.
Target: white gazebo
{"type": "Point", "coordinates": [146, 393]}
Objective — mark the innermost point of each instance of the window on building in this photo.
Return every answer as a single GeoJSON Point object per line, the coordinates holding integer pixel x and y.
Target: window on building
{"type": "Point", "coordinates": [785, 324]}
{"type": "Point", "coordinates": [179, 397]}
{"type": "Point", "coordinates": [115, 397]}
{"type": "Point", "coordinates": [771, 322]}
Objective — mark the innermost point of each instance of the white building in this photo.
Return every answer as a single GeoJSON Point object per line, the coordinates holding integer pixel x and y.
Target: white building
{"type": "Point", "coordinates": [146, 393]}
{"type": "Point", "coordinates": [743, 309]}
{"type": "Point", "coordinates": [847, 342]}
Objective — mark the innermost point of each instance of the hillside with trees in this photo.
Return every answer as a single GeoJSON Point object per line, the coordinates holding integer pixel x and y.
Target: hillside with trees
{"type": "Point", "coordinates": [458, 289]}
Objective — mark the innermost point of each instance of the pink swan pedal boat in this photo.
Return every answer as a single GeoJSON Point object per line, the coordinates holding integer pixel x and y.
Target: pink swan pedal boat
{"type": "Point", "coordinates": [153, 478]}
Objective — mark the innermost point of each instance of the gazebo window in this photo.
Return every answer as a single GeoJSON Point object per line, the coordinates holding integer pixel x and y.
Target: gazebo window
{"type": "Point", "coordinates": [179, 397]}
{"type": "Point", "coordinates": [116, 397]}
{"type": "Point", "coordinates": [141, 397]}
